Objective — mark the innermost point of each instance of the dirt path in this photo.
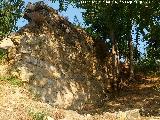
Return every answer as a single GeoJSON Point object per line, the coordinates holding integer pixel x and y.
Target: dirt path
{"type": "Point", "coordinates": [142, 94]}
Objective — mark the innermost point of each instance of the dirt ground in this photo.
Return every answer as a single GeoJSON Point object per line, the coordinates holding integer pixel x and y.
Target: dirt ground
{"type": "Point", "coordinates": [143, 94]}
{"type": "Point", "coordinates": [139, 101]}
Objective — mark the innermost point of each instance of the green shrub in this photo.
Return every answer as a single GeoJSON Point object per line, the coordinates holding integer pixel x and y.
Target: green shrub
{"type": "Point", "coordinates": [37, 115]}
{"type": "Point", "coordinates": [2, 54]}
{"type": "Point", "coordinates": [148, 67]}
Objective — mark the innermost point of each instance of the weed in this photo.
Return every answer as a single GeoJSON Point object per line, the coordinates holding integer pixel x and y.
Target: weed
{"type": "Point", "coordinates": [37, 115]}
{"type": "Point", "coordinates": [35, 95]}
{"type": "Point", "coordinates": [12, 80]}
{"type": "Point", "coordinates": [2, 54]}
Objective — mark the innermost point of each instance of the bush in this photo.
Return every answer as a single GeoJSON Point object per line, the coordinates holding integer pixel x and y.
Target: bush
{"type": "Point", "coordinates": [148, 67]}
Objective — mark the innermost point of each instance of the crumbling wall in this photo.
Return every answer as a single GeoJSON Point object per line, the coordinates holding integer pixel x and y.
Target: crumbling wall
{"type": "Point", "coordinates": [58, 60]}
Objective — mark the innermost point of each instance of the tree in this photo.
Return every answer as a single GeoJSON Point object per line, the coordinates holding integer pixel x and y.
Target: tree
{"type": "Point", "coordinates": [114, 20]}
{"type": "Point", "coordinates": [110, 21]}
{"type": "Point", "coordinates": [10, 12]}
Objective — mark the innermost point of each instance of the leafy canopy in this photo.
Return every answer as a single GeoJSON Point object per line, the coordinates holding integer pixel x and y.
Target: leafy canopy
{"type": "Point", "coordinates": [10, 12]}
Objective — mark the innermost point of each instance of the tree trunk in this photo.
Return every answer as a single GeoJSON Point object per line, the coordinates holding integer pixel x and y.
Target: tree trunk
{"type": "Point", "coordinates": [117, 59]}
{"type": "Point", "coordinates": [131, 58]}
{"type": "Point", "coordinates": [114, 62]}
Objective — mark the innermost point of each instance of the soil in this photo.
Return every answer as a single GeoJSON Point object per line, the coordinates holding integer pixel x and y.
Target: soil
{"type": "Point", "coordinates": [139, 100]}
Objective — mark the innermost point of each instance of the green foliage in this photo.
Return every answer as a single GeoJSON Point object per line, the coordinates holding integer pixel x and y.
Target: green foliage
{"type": "Point", "coordinates": [102, 18]}
{"type": "Point", "coordinates": [37, 115]}
{"type": "Point", "coordinates": [153, 48]}
{"type": "Point", "coordinates": [119, 16]}
{"type": "Point", "coordinates": [36, 96]}
{"type": "Point", "coordinates": [63, 4]}
{"type": "Point", "coordinates": [148, 67]}
{"type": "Point", "coordinates": [12, 80]}
{"type": "Point", "coordinates": [2, 54]}
{"type": "Point", "coordinates": [10, 12]}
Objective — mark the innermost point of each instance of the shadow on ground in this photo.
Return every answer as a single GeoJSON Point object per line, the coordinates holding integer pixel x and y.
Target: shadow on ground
{"type": "Point", "coordinates": [141, 94]}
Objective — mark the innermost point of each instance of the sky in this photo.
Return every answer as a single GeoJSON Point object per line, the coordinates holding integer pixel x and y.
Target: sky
{"type": "Point", "coordinates": [70, 13]}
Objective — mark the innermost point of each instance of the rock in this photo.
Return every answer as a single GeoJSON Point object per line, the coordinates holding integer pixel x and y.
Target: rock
{"type": "Point", "coordinates": [59, 62]}
{"type": "Point", "coordinates": [133, 115]}
{"type": "Point", "coordinates": [6, 43]}
{"type": "Point", "coordinates": [49, 118]}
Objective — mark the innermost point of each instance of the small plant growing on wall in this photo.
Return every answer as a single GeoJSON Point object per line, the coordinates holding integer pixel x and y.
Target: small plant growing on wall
{"type": "Point", "coordinates": [12, 80]}
{"type": "Point", "coordinates": [37, 115]}
{"type": "Point", "coordinates": [2, 54]}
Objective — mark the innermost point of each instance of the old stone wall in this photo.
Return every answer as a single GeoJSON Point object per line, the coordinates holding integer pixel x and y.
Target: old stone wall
{"type": "Point", "coordinates": [58, 60]}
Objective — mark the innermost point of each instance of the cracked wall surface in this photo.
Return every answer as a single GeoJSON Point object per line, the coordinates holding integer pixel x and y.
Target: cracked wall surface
{"type": "Point", "coordinates": [57, 59]}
